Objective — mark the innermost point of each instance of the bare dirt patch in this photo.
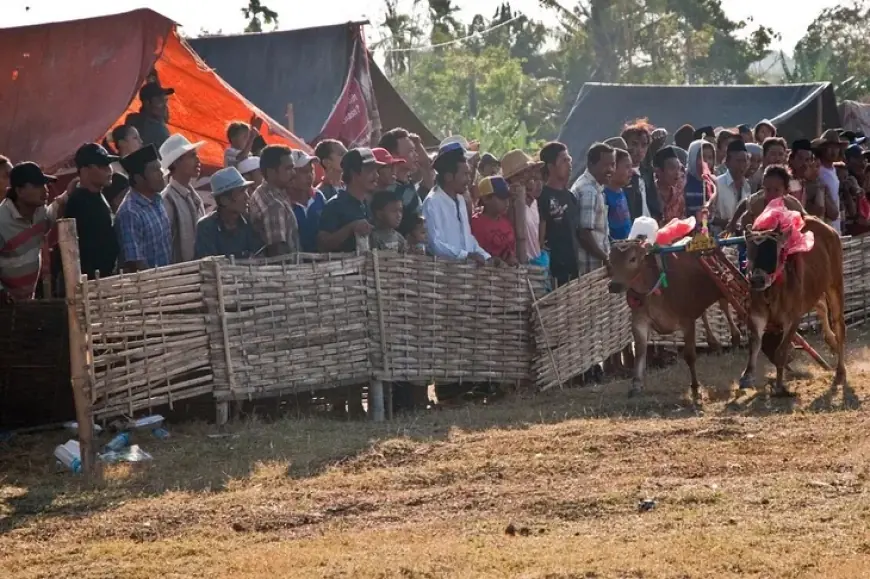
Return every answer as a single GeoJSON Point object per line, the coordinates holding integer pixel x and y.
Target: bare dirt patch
{"type": "Point", "coordinates": [576, 484]}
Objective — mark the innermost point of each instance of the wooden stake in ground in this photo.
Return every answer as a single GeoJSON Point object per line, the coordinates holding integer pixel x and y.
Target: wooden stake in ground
{"type": "Point", "coordinates": [78, 349]}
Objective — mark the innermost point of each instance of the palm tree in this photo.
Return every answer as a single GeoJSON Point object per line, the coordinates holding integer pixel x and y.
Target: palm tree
{"type": "Point", "coordinates": [257, 15]}
{"type": "Point", "coordinates": [399, 33]}
{"type": "Point", "coordinates": [445, 26]}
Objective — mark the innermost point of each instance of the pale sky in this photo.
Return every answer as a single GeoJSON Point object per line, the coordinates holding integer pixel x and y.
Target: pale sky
{"type": "Point", "coordinates": [785, 16]}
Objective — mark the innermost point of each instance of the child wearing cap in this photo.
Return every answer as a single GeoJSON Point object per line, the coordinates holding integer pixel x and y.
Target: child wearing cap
{"type": "Point", "coordinates": [491, 227]}
{"type": "Point", "coordinates": [387, 211]}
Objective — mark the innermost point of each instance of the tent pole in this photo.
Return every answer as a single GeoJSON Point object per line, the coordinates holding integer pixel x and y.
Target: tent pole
{"type": "Point", "coordinates": [819, 113]}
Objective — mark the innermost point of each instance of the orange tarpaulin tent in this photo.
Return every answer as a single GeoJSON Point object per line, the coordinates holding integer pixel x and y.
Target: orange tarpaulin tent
{"type": "Point", "coordinates": [68, 83]}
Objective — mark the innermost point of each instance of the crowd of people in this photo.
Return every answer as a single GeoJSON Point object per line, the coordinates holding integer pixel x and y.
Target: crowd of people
{"type": "Point", "coordinates": [136, 203]}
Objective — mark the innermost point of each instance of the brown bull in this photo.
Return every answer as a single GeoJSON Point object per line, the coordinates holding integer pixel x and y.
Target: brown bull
{"type": "Point", "coordinates": [783, 292]}
{"type": "Point", "coordinates": [689, 293]}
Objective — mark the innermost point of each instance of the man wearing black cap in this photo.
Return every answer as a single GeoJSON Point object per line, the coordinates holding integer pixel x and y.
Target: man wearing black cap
{"type": "Point", "coordinates": [98, 246]}
{"type": "Point", "coordinates": [732, 187]}
{"type": "Point", "coordinates": [448, 222]}
{"type": "Point", "coordinates": [141, 224]}
{"type": "Point", "coordinates": [705, 133]}
{"type": "Point", "coordinates": [347, 215]}
{"type": "Point", "coordinates": [24, 222]}
{"type": "Point", "coordinates": [151, 119]}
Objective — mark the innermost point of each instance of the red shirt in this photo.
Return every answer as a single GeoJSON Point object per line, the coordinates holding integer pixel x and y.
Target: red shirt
{"type": "Point", "coordinates": [496, 236]}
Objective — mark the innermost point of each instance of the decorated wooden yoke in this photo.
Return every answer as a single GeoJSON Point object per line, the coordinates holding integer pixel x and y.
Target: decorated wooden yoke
{"type": "Point", "coordinates": [731, 281]}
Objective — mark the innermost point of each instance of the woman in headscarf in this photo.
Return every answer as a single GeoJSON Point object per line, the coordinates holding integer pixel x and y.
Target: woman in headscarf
{"type": "Point", "coordinates": [700, 184]}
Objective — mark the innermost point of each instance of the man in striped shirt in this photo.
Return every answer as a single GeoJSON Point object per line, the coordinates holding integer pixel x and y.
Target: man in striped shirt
{"type": "Point", "coordinates": [24, 222]}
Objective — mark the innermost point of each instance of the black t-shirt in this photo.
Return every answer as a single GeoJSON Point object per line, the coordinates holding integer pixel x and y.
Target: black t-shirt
{"type": "Point", "coordinates": [98, 246]}
{"type": "Point", "coordinates": [341, 210]}
{"type": "Point", "coordinates": [558, 209]}
{"type": "Point", "coordinates": [411, 205]}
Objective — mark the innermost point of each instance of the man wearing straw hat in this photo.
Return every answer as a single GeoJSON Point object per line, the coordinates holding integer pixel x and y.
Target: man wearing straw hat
{"type": "Point", "coordinates": [522, 171]}
{"type": "Point", "coordinates": [184, 207]}
{"type": "Point", "coordinates": [225, 231]}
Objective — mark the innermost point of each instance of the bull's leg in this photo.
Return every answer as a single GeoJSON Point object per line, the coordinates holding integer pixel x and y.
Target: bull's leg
{"type": "Point", "coordinates": [736, 337]}
{"type": "Point", "coordinates": [780, 359]}
{"type": "Point", "coordinates": [835, 304]}
{"type": "Point", "coordinates": [712, 340]}
{"type": "Point", "coordinates": [757, 322]}
{"type": "Point", "coordinates": [822, 313]}
{"type": "Point", "coordinates": [640, 330]}
{"type": "Point", "coordinates": [690, 355]}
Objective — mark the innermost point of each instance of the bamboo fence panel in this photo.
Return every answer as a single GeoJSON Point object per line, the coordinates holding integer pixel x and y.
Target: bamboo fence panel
{"type": "Point", "coordinates": [450, 321]}
{"type": "Point", "coordinates": [148, 340]}
{"type": "Point", "coordinates": [286, 327]}
{"type": "Point", "coordinates": [582, 324]}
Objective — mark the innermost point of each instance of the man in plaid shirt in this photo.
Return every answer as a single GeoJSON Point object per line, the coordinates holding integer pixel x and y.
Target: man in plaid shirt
{"type": "Point", "coordinates": [271, 208]}
{"type": "Point", "coordinates": [141, 224]}
{"type": "Point", "coordinates": [589, 192]}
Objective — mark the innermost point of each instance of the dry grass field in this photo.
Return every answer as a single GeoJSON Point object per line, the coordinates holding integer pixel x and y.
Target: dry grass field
{"type": "Point", "coordinates": [539, 487]}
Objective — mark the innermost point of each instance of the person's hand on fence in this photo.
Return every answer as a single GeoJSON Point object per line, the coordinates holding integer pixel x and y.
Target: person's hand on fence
{"type": "Point", "coordinates": [477, 258]}
{"type": "Point", "coordinates": [361, 227]}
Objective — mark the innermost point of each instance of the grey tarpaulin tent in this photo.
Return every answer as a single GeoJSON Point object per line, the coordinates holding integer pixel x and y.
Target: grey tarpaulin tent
{"type": "Point", "coordinates": [306, 68]}
{"type": "Point", "coordinates": [601, 110]}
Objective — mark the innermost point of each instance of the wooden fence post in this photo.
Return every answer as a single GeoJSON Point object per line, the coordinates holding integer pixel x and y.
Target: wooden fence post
{"type": "Point", "coordinates": [78, 345]}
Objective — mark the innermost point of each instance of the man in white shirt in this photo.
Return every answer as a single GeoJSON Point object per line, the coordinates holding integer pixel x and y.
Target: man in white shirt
{"type": "Point", "coordinates": [732, 187]}
{"type": "Point", "coordinates": [829, 148]}
{"type": "Point", "coordinates": [446, 213]}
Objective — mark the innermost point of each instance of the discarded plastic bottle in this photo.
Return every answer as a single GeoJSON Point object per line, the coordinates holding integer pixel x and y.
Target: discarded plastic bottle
{"type": "Point", "coordinates": [120, 442]}
{"type": "Point", "coordinates": [69, 455]}
{"type": "Point", "coordinates": [160, 433]}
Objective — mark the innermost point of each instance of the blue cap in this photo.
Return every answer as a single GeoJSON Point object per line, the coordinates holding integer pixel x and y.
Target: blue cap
{"type": "Point", "coordinates": [227, 180]}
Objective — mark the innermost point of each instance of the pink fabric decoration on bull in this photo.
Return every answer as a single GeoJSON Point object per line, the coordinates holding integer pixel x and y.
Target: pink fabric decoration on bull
{"type": "Point", "coordinates": [777, 216]}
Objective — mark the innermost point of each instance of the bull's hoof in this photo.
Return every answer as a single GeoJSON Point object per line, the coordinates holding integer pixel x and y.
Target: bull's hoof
{"type": "Point", "coordinates": [782, 392]}
{"type": "Point", "coordinates": [840, 377]}
{"type": "Point", "coordinates": [736, 340]}
{"type": "Point", "coordinates": [746, 382]}
{"type": "Point", "coordinates": [697, 396]}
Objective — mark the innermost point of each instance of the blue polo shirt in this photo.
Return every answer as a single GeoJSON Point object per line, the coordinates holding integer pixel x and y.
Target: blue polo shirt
{"type": "Point", "coordinates": [308, 218]}
{"type": "Point", "coordinates": [341, 210]}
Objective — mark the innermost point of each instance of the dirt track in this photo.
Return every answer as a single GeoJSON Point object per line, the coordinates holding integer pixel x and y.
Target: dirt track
{"type": "Point", "coordinates": [742, 487]}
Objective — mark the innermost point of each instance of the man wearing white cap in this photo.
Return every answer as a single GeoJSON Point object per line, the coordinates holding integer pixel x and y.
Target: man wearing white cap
{"type": "Point", "coordinates": [308, 202]}
{"type": "Point", "coordinates": [183, 204]}
{"type": "Point", "coordinates": [225, 231]}
{"type": "Point", "coordinates": [250, 170]}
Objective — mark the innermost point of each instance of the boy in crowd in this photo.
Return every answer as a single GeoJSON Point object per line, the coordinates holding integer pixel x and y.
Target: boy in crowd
{"type": "Point", "coordinates": [241, 138]}
{"type": "Point", "coordinates": [488, 165]}
{"type": "Point", "coordinates": [387, 211]}
{"type": "Point", "coordinates": [416, 237]}
{"type": "Point", "coordinates": [618, 217]}
{"type": "Point", "coordinates": [491, 227]}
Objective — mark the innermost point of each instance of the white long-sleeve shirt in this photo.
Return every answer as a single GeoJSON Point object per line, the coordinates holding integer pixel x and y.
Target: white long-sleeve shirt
{"type": "Point", "coordinates": [448, 227]}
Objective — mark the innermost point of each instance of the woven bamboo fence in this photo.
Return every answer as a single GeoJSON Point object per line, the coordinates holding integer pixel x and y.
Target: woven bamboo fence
{"type": "Point", "coordinates": [584, 325]}
{"type": "Point", "coordinates": [577, 326]}
{"type": "Point", "coordinates": [281, 329]}
{"type": "Point", "coordinates": [147, 339]}
{"type": "Point", "coordinates": [449, 321]}
{"type": "Point", "coordinates": [269, 328]}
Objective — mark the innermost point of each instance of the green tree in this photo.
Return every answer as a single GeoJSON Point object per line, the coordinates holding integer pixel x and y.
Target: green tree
{"type": "Point", "coordinates": [445, 26]}
{"type": "Point", "coordinates": [258, 14]}
{"type": "Point", "coordinates": [399, 32]}
{"type": "Point", "coordinates": [655, 41]}
{"type": "Point", "coordinates": [836, 48]}
{"type": "Point", "coordinates": [482, 95]}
